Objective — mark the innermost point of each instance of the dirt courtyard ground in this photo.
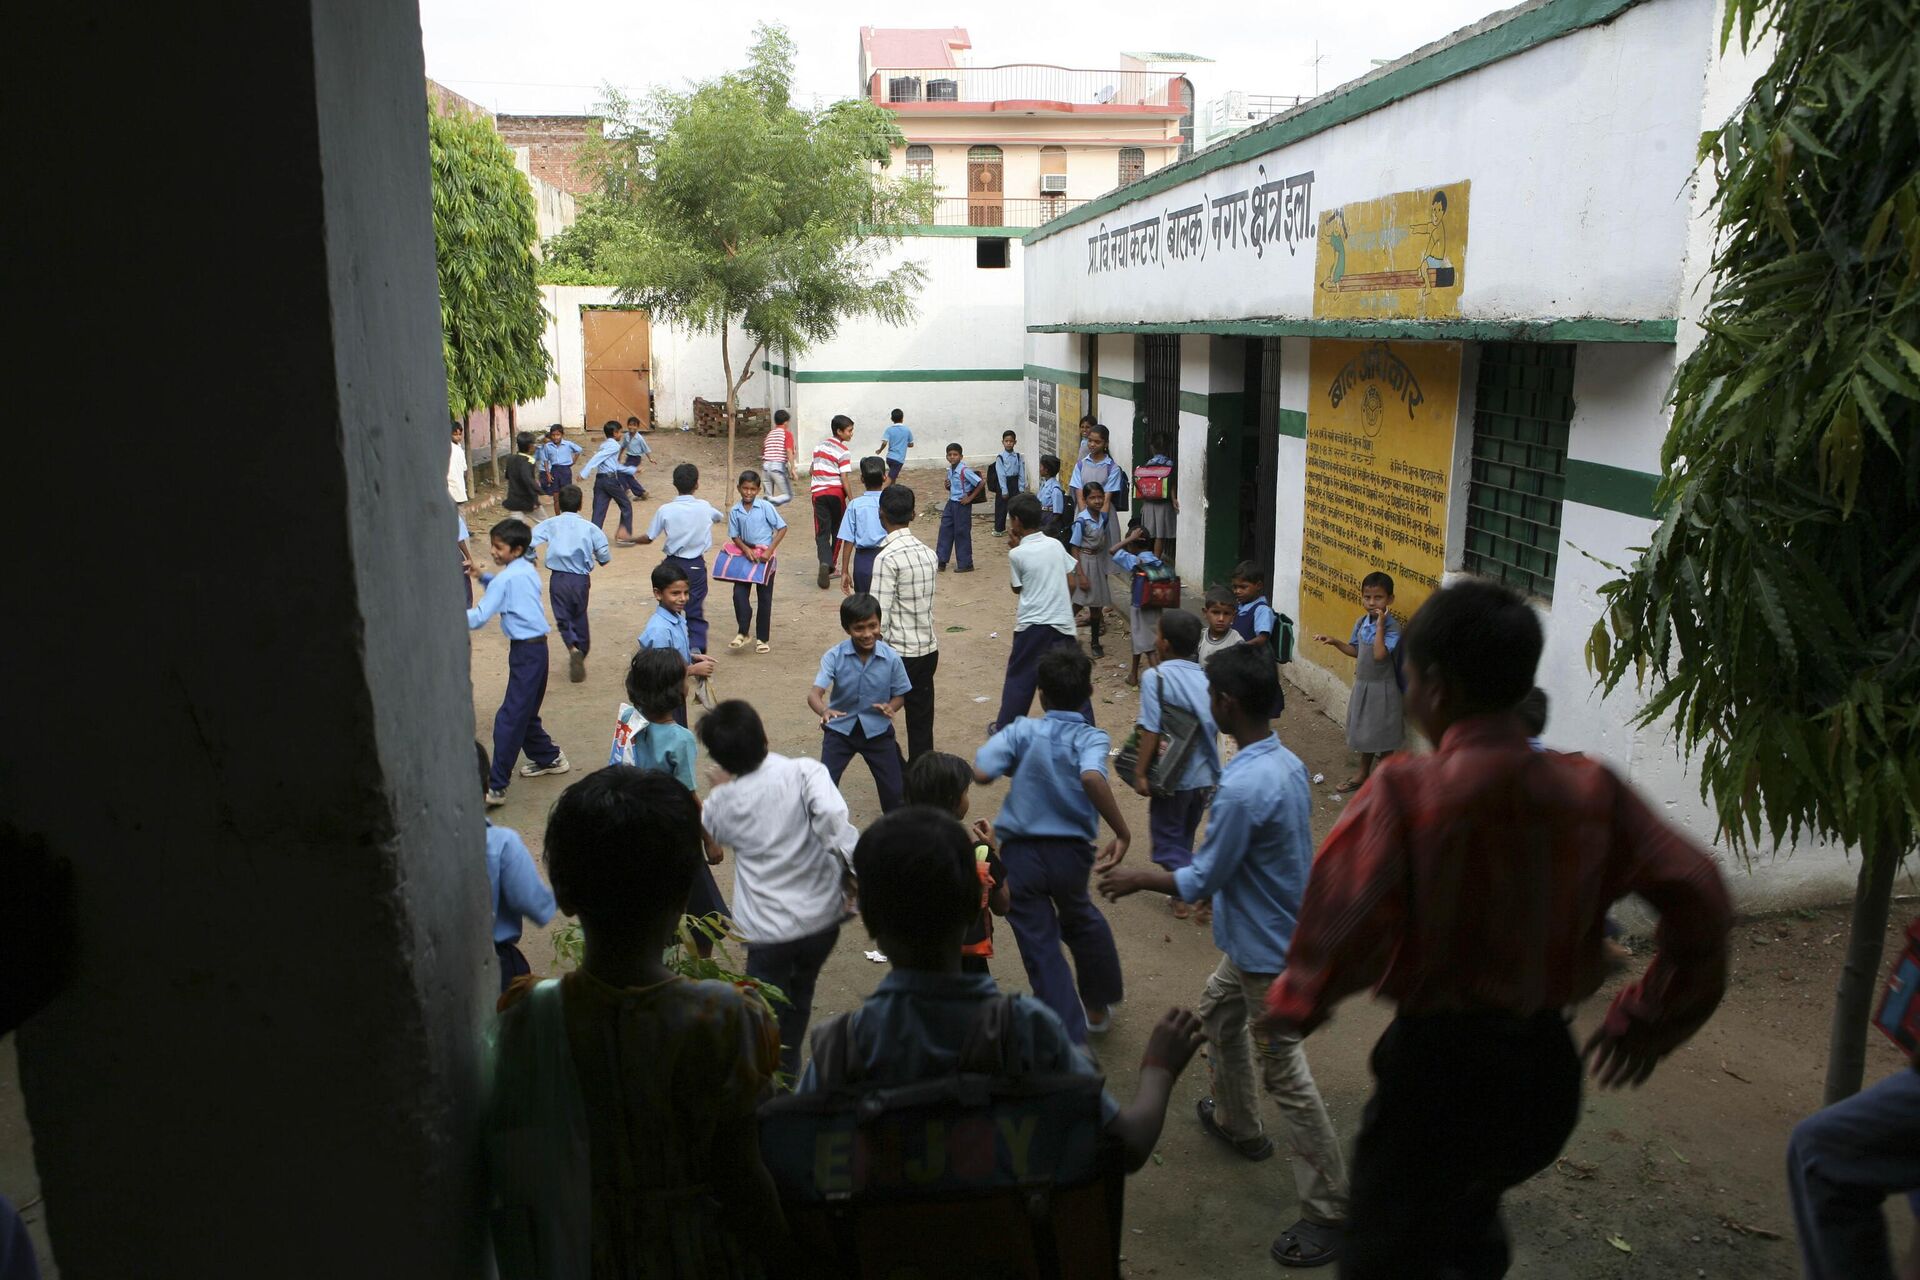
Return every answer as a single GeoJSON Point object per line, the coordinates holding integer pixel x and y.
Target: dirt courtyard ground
{"type": "Point", "coordinates": [1683, 1178]}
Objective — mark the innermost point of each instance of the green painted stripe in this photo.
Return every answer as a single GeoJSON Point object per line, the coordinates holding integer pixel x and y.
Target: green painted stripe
{"type": "Point", "coordinates": [1293, 423]}
{"type": "Point", "coordinates": [1595, 484]}
{"type": "Point", "coordinates": [910, 375]}
{"type": "Point", "coordinates": [996, 233]}
{"type": "Point", "coordinates": [1585, 329]}
{"type": "Point", "coordinates": [1045, 374]}
{"type": "Point", "coordinates": [1525, 30]}
{"type": "Point", "coordinates": [1119, 389]}
{"type": "Point", "coordinates": [777, 370]}
{"type": "Point", "coordinates": [1195, 402]}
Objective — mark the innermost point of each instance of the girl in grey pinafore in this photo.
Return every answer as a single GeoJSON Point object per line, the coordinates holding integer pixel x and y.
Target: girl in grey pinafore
{"type": "Point", "coordinates": [1093, 541]}
{"type": "Point", "coordinates": [1375, 722]}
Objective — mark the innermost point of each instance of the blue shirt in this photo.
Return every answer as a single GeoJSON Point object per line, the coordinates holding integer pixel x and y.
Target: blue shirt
{"type": "Point", "coordinates": [1363, 633]}
{"type": "Point", "coordinates": [1013, 472]}
{"type": "Point", "coordinates": [685, 526]}
{"type": "Point", "coordinates": [557, 454]}
{"type": "Point", "coordinates": [1129, 560]}
{"type": "Point", "coordinates": [667, 747]}
{"type": "Point", "coordinates": [1047, 799]}
{"type": "Point", "coordinates": [915, 1024]}
{"type": "Point", "coordinates": [861, 524]}
{"type": "Point", "coordinates": [574, 544]}
{"type": "Point", "coordinates": [518, 890]}
{"type": "Point", "coordinates": [667, 630]}
{"type": "Point", "coordinates": [858, 685]}
{"type": "Point", "coordinates": [1256, 856]}
{"type": "Point", "coordinates": [754, 526]}
{"type": "Point", "coordinates": [636, 445]}
{"type": "Point", "coordinates": [606, 460]}
{"type": "Point", "coordinates": [514, 594]}
{"type": "Point", "coordinates": [1105, 472]}
{"type": "Point", "coordinates": [1053, 498]}
{"type": "Point", "coordinates": [1089, 529]}
{"type": "Point", "coordinates": [897, 438]}
{"type": "Point", "coordinates": [961, 481]}
{"type": "Point", "coordinates": [1254, 618]}
{"type": "Point", "coordinates": [1184, 684]}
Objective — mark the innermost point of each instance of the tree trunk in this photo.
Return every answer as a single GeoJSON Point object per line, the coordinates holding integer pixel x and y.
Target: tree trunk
{"type": "Point", "coordinates": [1860, 974]}
{"type": "Point", "coordinates": [726, 368]}
{"type": "Point", "coordinates": [493, 444]}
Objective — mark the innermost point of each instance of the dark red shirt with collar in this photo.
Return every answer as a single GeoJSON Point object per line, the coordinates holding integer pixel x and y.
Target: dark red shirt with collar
{"type": "Point", "coordinates": [1478, 878]}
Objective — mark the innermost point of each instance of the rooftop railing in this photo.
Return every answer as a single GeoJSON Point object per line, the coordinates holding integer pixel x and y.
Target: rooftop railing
{"type": "Point", "coordinates": [1024, 82]}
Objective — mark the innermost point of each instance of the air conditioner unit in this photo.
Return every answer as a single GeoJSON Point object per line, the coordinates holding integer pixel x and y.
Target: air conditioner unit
{"type": "Point", "coordinates": [1053, 184]}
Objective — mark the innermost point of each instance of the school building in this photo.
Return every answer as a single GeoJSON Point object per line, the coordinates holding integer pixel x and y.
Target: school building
{"type": "Point", "coordinates": [1423, 324]}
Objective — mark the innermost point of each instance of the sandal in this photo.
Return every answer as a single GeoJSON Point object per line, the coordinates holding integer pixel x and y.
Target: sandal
{"type": "Point", "coordinates": [763, 647]}
{"type": "Point", "coordinates": [1347, 787]}
{"type": "Point", "coordinates": [736, 642]}
{"type": "Point", "coordinates": [1203, 914]}
{"type": "Point", "coordinates": [1181, 910]}
{"type": "Point", "coordinates": [1308, 1244]}
{"type": "Point", "coordinates": [1253, 1149]}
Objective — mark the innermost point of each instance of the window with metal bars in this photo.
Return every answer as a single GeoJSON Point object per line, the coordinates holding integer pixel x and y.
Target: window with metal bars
{"type": "Point", "coordinates": [1522, 407]}
{"type": "Point", "coordinates": [919, 161]}
{"type": "Point", "coordinates": [1133, 164]}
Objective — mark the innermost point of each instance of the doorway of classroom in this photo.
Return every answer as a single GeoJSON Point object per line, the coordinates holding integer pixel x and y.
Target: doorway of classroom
{"type": "Point", "coordinates": [1159, 405]}
{"type": "Point", "coordinates": [1243, 455]}
{"type": "Point", "coordinates": [618, 346]}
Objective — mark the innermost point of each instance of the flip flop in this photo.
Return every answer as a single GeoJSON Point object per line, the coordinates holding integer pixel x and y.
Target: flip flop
{"type": "Point", "coordinates": [1251, 1149]}
{"type": "Point", "coordinates": [1308, 1244]}
{"type": "Point", "coordinates": [1349, 786]}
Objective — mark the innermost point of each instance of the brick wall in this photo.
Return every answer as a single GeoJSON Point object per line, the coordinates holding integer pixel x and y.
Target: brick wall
{"type": "Point", "coordinates": [553, 143]}
{"type": "Point", "coordinates": [448, 103]}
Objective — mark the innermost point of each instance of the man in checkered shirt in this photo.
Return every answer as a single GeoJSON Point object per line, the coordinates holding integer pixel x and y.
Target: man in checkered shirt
{"type": "Point", "coordinates": [903, 582]}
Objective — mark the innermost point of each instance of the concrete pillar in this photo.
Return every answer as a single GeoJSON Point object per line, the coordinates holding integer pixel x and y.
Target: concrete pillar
{"type": "Point", "coordinates": [239, 689]}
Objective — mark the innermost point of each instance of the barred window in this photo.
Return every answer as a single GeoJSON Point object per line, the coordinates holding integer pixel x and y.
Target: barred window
{"type": "Point", "coordinates": [919, 161]}
{"type": "Point", "coordinates": [1133, 165]}
{"type": "Point", "coordinates": [1522, 407]}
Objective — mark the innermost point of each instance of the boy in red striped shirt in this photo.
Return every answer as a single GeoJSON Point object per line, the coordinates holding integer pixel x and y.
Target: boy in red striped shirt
{"type": "Point", "coordinates": [831, 464]}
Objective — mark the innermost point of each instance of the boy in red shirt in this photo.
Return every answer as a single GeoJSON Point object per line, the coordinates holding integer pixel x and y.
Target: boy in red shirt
{"type": "Point", "coordinates": [1470, 887]}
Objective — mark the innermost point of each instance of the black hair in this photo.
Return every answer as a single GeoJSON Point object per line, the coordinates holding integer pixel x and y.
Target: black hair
{"type": "Point", "coordinates": [569, 497]}
{"type": "Point", "coordinates": [1101, 431]}
{"type": "Point", "coordinates": [686, 478]}
{"type": "Point", "coordinates": [1439, 198]}
{"type": "Point", "coordinates": [953, 446]}
{"type": "Point", "coordinates": [486, 767]}
{"type": "Point", "coordinates": [524, 441]}
{"type": "Point", "coordinates": [455, 426]}
{"type": "Point", "coordinates": [1479, 637]}
{"type": "Point", "coordinates": [840, 422]}
{"type": "Point", "coordinates": [513, 534]}
{"type": "Point", "coordinates": [623, 846]}
{"type": "Point", "coordinates": [734, 737]}
{"type": "Point", "coordinates": [1183, 631]}
{"type": "Point", "coordinates": [748, 476]}
{"type": "Point", "coordinates": [1066, 678]}
{"type": "Point", "coordinates": [666, 573]}
{"type": "Point", "coordinates": [1221, 595]}
{"type": "Point", "coordinates": [1159, 440]}
{"type": "Point", "coordinates": [1049, 465]}
{"type": "Point", "coordinates": [940, 779]}
{"type": "Point", "coordinates": [656, 682]}
{"type": "Point", "coordinates": [898, 415]}
{"type": "Point", "coordinates": [1010, 432]}
{"type": "Point", "coordinates": [1088, 420]}
{"type": "Point", "coordinates": [1246, 675]}
{"type": "Point", "coordinates": [633, 420]}
{"type": "Point", "coordinates": [1024, 509]}
{"type": "Point", "coordinates": [1250, 571]}
{"type": "Point", "coordinates": [858, 607]}
{"type": "Point", "coordinates": [1384, 581]}
{"type": "Point", "coordinates": [556, 427]}
{"type": "Point", "coordinates": [1532, 710]}
{"type": "Point", "coordinates": [609, 428]}
{"type": "Point", "coordinates": [917, 875]}
{"type": "Point", "coordinates": [781, 417]}
{"type": "Point", "coordinates": [873, 472]}
{"type": "Point", "coordinates": [1092, 486]}
{"type": "Point", "coordinates": [896, 504]}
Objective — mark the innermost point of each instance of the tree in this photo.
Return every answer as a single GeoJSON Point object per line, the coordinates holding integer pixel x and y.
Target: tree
{"type": "Point", "coordinates": [1776, 611]}
{"type": "Point", "coordinates": [492, 320]}
{"type": "Point", "coordinates": [725, 204]}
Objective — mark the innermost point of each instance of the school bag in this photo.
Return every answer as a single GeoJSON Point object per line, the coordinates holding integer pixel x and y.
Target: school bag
{"type": "Point", "coordinates": [1155, 482]}
{"type": "Point", "coordinates": [1011, 1172]}
{"type": "Point", "coordinates": [1119, 496]}
{"type": "Point", "coordinates": [1155, 586]}
{"type": "Point", "coordinates": [1899, 1015]}
{"type": "Point", "coordinates": [1179, 735]}
{"type": "Point", "coordinates": [734, 565]}
{"type": "Point", "coordinates": [540, 1181]}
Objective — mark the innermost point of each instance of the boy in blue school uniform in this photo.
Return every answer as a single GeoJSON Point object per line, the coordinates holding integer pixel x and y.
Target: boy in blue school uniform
{"type": "Point", "coordinates": [956, 518]}
{"type": "Point", "coordinates": [1174, 820]}
{"type": "Point", "coordinates": [1256, 621]}
{"type": "Point", "coordinates": [894, 442]}
{"type": "Point", "coordinates": [513, 595]}
{"type": "Point", "coordinates": [609, 483]}
{"type": "Point", "coordinates": [1010, 475]}
{"type": "Point", "coordinates": [555, 458]}
{"type": "Point", "coordinates": [860, 689]}
{"type": "Point", "coordinates": [668, 629]}
{"type": "Point", "coordinates": [861, 531]}
{"type": "Point", "coordinates": [1046, 826]}
{"type": "Point", "coordinates": [756, 526]}
{"type": "Point", "coordinates": [635, 449]}
{"type": "Point", "coordinates": [519, 894]}
{"type": "Point", "coordinates": [1055, 522]}
{"type": "Point", "coordinates": [573, 548]}
{"type": "Point", "coordinates": [1254, 865]}
{"type": "Point", "coordinates": [685, 528]}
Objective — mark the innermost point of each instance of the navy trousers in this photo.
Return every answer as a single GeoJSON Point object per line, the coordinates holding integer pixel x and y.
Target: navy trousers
{"type": "Point", "coordinates": [893, 468]}
{"type": "Point", "coordinates": [516, 725]}
{"type": "Point", "coordinates": [881, 753]}
{"type": "Point", "coordinates": [743, 608]}
{"type": "Point", "coordinates": [1023, 673]}
{"type": "Point", "coordinates": [1841, 1164]}
{"type": "Point", "coordinates": [568, 592]}
{"type": "Point", "coordinates": [794, 967]}
{"type": "Point", "coordinates": [696, 567]}
{"type": "Point", "coordinates": [1173, 821]}
{"type": "Point", "coordinates": [863, 567]}
{"type": "Point", "coordinates": [1050, 905]}
{"type": "Point", "coordinates": [956, 535]}
{"type": "Point", "coordinates": [631, 483]}
{"type": "Point", "coordinates": [612, 489]}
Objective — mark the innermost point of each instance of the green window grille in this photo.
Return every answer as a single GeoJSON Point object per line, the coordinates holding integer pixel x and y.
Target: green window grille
{"type": "Point", "coordinates": [1522, 407]}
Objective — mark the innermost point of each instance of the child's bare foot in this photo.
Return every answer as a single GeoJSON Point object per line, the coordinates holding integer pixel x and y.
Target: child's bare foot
{"type": "Point", "coordinates": [1133, 679]}
{"type": "Point", "coordinates": [1351, 784]}
{"type": "Point", "coordinates": [1181, 910]}
{"type": "Point", "coordinates": [1203, 913]}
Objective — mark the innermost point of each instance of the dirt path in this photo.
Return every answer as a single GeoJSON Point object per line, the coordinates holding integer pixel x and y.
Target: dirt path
{"type": "Point", "coordinates": [1686, 1173]}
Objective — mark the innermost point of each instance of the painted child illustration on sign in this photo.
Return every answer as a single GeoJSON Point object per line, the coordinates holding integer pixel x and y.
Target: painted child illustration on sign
{"type": "Point", "coordinates": [1436, 267]}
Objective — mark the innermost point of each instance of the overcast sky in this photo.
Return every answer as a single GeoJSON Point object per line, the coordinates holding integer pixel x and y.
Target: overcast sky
{"type": "Point", "coordinates": [523, 58]}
